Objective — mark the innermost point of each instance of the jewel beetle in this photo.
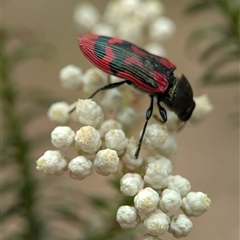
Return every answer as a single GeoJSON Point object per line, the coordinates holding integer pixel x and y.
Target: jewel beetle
{"type": "Point", "coordinates": [146, 72]}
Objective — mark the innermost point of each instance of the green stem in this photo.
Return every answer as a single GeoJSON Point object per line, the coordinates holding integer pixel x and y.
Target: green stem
{"type": "Point", "coordinates": [18, 147]}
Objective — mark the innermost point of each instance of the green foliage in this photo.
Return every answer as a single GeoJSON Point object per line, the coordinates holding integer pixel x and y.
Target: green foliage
{"type": "Point", "coordinates": [221, 51]}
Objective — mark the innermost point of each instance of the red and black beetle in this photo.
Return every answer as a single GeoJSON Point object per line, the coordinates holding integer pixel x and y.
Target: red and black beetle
{"type": "Point", "coordinates": [146, 72]}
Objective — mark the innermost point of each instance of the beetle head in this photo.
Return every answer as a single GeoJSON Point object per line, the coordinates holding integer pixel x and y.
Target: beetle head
{"type": "Point", "coordinates": [181, 98]}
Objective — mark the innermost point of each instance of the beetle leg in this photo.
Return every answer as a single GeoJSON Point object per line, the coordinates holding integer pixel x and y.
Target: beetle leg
{"type": "Point", "coordinates": [109, 86]}
{"type": "Point", "coordinates": [148, 116]}
{"type": "Point", "coordinates": [162, 112]}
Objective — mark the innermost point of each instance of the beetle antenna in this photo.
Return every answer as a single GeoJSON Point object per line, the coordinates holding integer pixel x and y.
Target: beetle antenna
{"type": "Point", "coordinates": [148, 116]}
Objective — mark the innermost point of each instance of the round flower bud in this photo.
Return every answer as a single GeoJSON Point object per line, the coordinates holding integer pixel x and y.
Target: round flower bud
{"type": "Point", "coordinates": [169, 147]}
{"type": "Point", "coordinates": [156, 49]}
{"type": "Point", "coordinates": [59, 112]}
{"type": "Point", "coordinates": [149, 236]}
{"type": "Point", "coordinates": [155, 135]}
{"type": "Point", "coordinates": [130, 184]}
{"type": "Point", "coordinates": [62, 137]}
{"type": "Point", "coordinates": [88, 139]}
{"type": "Point", "coordinates": [179, 184]}
{"type": "Point", "coordinates": [156, 176]}
{"type": "Point", "coordinates": [85, 16]}
{"type": "Point", "coordinates": [106, 162]}
{"type": "Point", "coordinates": [150, 10]}
{"type": "Point", "coordinates": [103, 29]}
{"type": "Point", "coordinates": [170, 201]}
{"type": "Point", "coordinates": [89, 112]}
{"type": "Point", "coordinates": [108, 125]}
{"type": "Point", "coordinates": [127, 217]}
{"type": "Point", "coordinates": [180, 226]}
{"type": "Point", "coordinates": [52, 163]}
{"type": "Point", "coordinates": [162, 29]}
{"type": "Point", "coordinates": [195, 204]}
{"type": "Point", "coordinates": [70, 76]}
{"type": "Point", "coordinates": [163, 161]}
{"type": "Point", "coordinates": [127, 116]}
{"type": "Point", "coordinates": [130, 28]}
{"type": "Point", "coordinates": [115, 139]}
{"type": "Point", "coordinates": [146, 200]}
{"type": "Point", "coordinates": [173, 122]}
{"type": "Point", "coordinates": [93, 79]}
{"type": "Point", "coordinates": [128, 157]}
{"type": "Point", "coordinates": [111, 100]}
{"type": "Point", "coordinates": [157, 222]}
{"type": "Point", "coordinates": [80, 167]}
{"type": "Point", "coordinates": [202, 108]}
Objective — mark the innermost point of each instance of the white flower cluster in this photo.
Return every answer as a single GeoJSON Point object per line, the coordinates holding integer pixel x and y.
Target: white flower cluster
{"type": "Point", "coordinates": [129, 20]}
{"type": "Point", "coordinates": [157, 194]}
{"type": "Point", "coordinates": [103, 139]}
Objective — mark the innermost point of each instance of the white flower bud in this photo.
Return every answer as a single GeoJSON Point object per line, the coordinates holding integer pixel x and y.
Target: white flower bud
{"type": "Point", "coordinates": [114, 79]}
{"type": "Point", "coordinates": [80, 167]}
{"type": "Point", "coordinates": [89, 112]}
{"type": "Point", "coordinates": [146, 200]}
{"type": "Point", "coordinates": [113, 12]}
{"type": "Point", "coordinates": [130, 28]}
{"type": "Point", "coordinates": [108, 125]}
{"type": "Point", "coordinates": [103, 29]}
{"type": "Point", "coordinates": [127, 116]}
{"type": "Point", "coordinates": [180, 226]}
{"type": "Point", "coordinates": [195, 204]}
{"type": "Point", "coordinates": [62, 137]}
{"type": "Point", "coordinates": [156, 176]}
{"type": "Point", "coordinates": [163, 161]}
{"type": "Point", "coordinates": [111, 100]}
{"type": "Point", "coordinates": [127, 217]}
{"type": "Point", "coordinates": [130, 184]}
{"type": "Point", "coordinates": [179, 184]}
{"type": "Point", "coordinates": [169, 147]}
{"type": "Point", "coordinates": [70, 76]}
{"type": "Point", "coordinates": [162, 29]}
{"type": "Point", "coordinates": [93, 79]}
{"type": "Point", "coordinates": [173, 122]}
{"type": "Point", "coordinates": [128, 157]}
{"type": "Point", "coordinates": [86, 15]}
{"type": "Point", "coordinates": [202, 108]}
{"type": "Point", "coordinates": [59, 112]}
{"type": "Point", "coordinates": [88, 139]}
{"type": "Point", "coordinates": [155, 135]}
{"type": "Point", "coordinates": [155, 48]}
{"type": "Point", "coordinates": [157, 222]}
{"type": "Point", "coordinates": [115, 139]}
{"type": "Point", "coordinates": [150, 10]}
{"type": "Point", "coordinates": [52, 163]}
{"type": "Point", "coordinates": [149, 236]}
{"type": "Point", "coordinates": [170, 201]}
{"type": "Point", "coordinates": [106, 162]}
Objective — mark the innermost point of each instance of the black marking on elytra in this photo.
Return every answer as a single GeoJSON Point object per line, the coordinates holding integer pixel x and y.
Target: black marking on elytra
{"type": "Point", "coordinates": [100, 47]}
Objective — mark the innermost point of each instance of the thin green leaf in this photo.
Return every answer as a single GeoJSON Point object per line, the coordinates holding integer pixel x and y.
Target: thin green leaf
{"type": "Point", "coordinates": [206, 32]}
{"type": "Point", "coordinates": [214, 48]}
{"type": "Point", "coordinates": [212, 79]}
{"type": "Point", "coordinates": [69, 214]}
{"type": "Point", "coordinates": [199, 6]}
